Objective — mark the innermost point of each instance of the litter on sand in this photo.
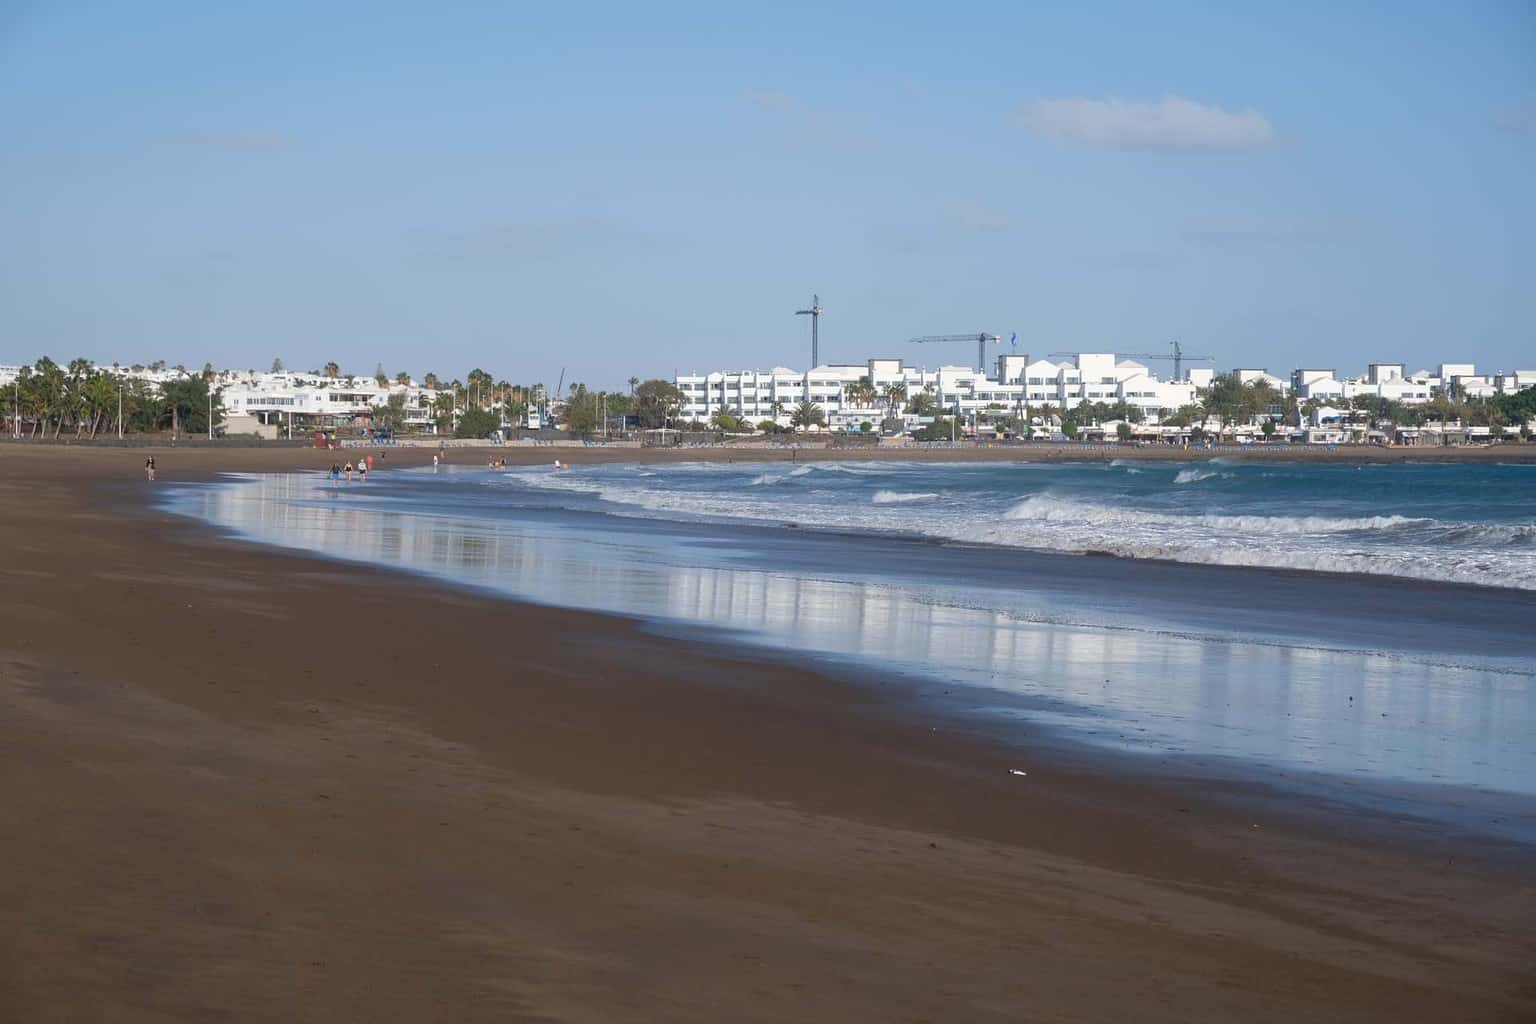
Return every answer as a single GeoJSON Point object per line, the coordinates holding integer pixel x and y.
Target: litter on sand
{"type": "Point", "coordinates": [1015, 771]}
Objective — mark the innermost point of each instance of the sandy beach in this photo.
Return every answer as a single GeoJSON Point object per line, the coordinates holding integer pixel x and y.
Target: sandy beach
{"type": "Point", "coordinates": [244, 784]}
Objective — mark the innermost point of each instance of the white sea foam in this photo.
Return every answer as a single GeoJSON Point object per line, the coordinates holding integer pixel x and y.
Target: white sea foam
{"type": "Point", "coordinates": [1499, 553]}
{"type": "Point", "coordinates": [1198, 473]}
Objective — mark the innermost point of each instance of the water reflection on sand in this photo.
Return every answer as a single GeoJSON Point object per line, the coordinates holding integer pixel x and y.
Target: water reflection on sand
{"type": "Point", "coordinates": [1374, 715]}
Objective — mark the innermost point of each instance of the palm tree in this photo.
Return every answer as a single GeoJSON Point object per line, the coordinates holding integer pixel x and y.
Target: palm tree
{"type": "Point", "coordinates": [895, 395]}
{"type": "Point", "coordinates": [807, 415]}
{"type": "Point", "coordinates": [50, 390]}
{"type": "Point", "coordinates": [430, 381]}
{"type": "Point", "coordinates": [332, 370]}
{"type": "Point", "coordinates": [724, 419]}
{"type": "Point", "coordinates": [402, 378]}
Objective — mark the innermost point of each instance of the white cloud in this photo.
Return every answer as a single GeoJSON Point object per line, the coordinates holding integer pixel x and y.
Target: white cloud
{"type": "Point", "coordinates": [1171, 123]}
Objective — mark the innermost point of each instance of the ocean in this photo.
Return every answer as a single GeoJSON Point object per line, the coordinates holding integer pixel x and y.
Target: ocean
{"type": "Point", "coordinates": [1461, 523]}
{"type": "Point", "coordinates": [1360, 633]}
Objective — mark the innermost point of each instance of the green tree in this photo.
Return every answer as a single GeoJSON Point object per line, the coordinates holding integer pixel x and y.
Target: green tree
{"type": "Point", "coordinates": [807, 415]}
{"type": "Point", "coordinates": [657, 402]}
{"type": "Point", "coordinates": [391, 414]}
{"type": "Point", "coordinates": [476, 423]}
{"type": "Point", "coordinates": [1519, 407]}
{"type": "Point", "coordinates": [861, 392]}
{"type": "Point", "coordinates": [923, 403]}
{"type": "Point", "coordinates": [726, 420]}
{"type": "Point", "coordinates": [583, 411]}
{"type": "Point", "coordinates": [941, 429]}
{"type": "Point", "coordinates": [186, 403]}
{"type": "Point", "coordinates": [1123, 430]}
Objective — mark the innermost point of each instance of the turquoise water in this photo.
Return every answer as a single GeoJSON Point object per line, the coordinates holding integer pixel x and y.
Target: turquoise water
{"type": "Point", "coordinates": [1368, 682]}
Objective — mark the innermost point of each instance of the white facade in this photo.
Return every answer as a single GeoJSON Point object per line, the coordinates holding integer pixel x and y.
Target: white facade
{"type": "Point", "coordinates": [757, 395]}
{"type": "Point", "coordinates": [269, 396]}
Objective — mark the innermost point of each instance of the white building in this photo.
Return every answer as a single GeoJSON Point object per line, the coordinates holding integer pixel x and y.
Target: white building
{"type": "Point", "coordinates": [271, 403]}
{"type": "Point", "coordinates": [1017, 383]}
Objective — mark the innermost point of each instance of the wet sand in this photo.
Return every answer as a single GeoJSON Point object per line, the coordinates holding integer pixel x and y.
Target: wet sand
{"type": "Point", "coordinates": [245, 784]}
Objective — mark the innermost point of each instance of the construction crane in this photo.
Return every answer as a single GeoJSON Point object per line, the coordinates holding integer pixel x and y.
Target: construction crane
{"type": "Point", "coordinates": [1178, 357]}
{"type": "Point", "coordinates": [980, 341]}
{"type": "Point", "coordinates": [815, 314]}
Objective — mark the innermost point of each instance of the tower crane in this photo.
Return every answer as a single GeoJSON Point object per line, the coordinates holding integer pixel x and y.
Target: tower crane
{"type": "Point", "coordinates": [815, 314]}
{"type": "Point", "coordinates": [980, 340]}
{"type": "Point", "coordinates": [1178, 356]}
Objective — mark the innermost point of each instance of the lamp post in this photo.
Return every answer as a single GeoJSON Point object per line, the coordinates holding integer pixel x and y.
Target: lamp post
{"type": "Point", "coordinates": [119, 408]}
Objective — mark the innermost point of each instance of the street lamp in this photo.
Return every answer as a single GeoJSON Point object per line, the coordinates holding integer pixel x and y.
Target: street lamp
{"type": "Point", "coordinates": [119, 408]}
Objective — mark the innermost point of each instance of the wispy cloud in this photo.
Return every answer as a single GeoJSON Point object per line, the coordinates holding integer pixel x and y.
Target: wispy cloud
{"type": "Point", "coordinates": [808, 127]}
{"type": "Point", "coordinates": [237, 142]}
{"type": "Point", "coordinates": [947, 222]}
{"type": "Point", "coordinates": [1173, 123]}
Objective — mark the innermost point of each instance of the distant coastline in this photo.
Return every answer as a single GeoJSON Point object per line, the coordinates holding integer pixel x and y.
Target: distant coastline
{"type": "Point", "coordinates": [816, 448]}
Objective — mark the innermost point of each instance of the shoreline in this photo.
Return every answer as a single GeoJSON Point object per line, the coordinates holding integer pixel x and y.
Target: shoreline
{"type": "Point", "coordinates": [1483, 638]}
{"type": "Point", "coordinates": [815, 449]}
{"type": "Point", "coordinates": [364, 794]}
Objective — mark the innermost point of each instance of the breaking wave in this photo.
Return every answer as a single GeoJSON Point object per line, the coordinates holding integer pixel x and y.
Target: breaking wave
{"type": "Point", "coordinates": [1273, 519]}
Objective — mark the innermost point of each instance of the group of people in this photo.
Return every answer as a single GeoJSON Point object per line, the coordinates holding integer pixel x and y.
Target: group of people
{"type": "Point", "coordinates": [364, 464]}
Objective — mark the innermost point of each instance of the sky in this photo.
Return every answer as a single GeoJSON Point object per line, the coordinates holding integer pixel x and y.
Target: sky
{"type": "Point", "coordinates": [608, 190]}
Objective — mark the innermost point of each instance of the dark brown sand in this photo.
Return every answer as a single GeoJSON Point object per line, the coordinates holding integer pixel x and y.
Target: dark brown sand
{"type": "Point", "coordinates": [237, 784]}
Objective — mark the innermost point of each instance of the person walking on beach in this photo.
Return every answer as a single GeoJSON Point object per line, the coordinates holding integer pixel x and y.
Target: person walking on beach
{"type": "Point", "coordinates": [347, 469]}
{"type": "Point", "coordinates": [434, 462]}
{"type": "Point", "coordinates": [362, 470]}
{"type": "Point", "coordinates": [335, 473]}
{"type": "Point", "coordinates": [149, 468]}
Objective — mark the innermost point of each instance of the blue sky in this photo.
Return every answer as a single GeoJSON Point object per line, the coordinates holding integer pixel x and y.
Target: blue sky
{"type": "Point", "coordinates": [619, 189]}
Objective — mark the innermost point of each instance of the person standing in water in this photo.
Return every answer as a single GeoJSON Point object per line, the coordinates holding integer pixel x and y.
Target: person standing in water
{"type": "Point", "coordinates": [149, 468]}
{"type": "Point", "coordinates": [347, 469]}
{"type": "Point", "coordinates": [335, 473]}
